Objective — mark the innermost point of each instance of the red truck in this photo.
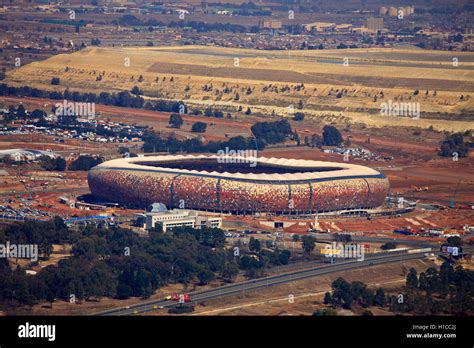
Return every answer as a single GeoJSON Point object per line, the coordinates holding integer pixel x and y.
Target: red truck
{"type": "Point", "coordinates": [179, 298]}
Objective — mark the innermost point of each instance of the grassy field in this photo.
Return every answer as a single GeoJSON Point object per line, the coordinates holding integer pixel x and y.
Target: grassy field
{"type": "Point", "coordinates": [270, 82]}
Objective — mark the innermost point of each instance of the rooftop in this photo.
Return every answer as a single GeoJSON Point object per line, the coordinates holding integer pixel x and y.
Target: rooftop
{"type": "Point", "coordinates": [247, 168]}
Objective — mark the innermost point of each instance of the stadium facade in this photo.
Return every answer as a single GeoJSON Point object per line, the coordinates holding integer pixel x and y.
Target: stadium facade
{"type": "Point", "coordinates": [214, 183]}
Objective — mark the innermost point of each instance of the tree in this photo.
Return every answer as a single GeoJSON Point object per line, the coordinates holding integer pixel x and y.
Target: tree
{"type": "Point", "coordinates": [230, 270]}
{"type": "Point", "coordinates": [379, 299]}
{"type": "Point", "coordinates": [124, 291]}
{"type": "Point", "coordinates": [85, 248]}
{"type": "Point", "coordinates": [248, 111]}
{"type": "Point", "coordinates": [454, 241]}
{"type": "Point", "coordinates": [254, 244]}
{"type": "Point", "coordinates": [295, 237]}
{"type": "Point", "coordinates": [21, 111]}
{"type": "Point", "coordinates": [327, 298]}
{"type": "Point", "coordinates": [454, 143]}
{"type": "Point", "coordinates": [331, 136]}
{"type": "Point", "coordinates": [412, 279]}
{"type": "Point", "coordinates": [272, 132]}
{"type": "Point", "coordinates": [367, 297]}
{"type": "Point", "coordinates": [176, 121]}
{"type": "Point", "coordinates": [423, 281]}
{"type": "Point", "coordinates": [299, 116]}
{"type": "Point", "coordinates": [205, 276]}
{"type": "Point", "coordinates": [199, 127]}
{"type": "Point", "coordinates": [342, 293]}
{"type": "Point", "coordinates": [51, 164]}
{"type": "Point", "coordinates": [136, 90]}
{"type": "Point", "coordinates": [85, 162]}
{"type": "Point", "coordinates": [309, 242]}
{"type": "Point", "coordinates": [316, 141]}
{"type": "Point", "coordinates": [37, 114]}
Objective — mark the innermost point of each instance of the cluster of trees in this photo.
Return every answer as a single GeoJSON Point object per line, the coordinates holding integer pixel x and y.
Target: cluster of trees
{"type": "Point", "coordinates": [314, 141]}
{"type": "Point", "coordinates": [43, 234]}
{"type": "Point", "coordinates": [113, 263]}
{"type": "Point", "coordinates": [447, 291]}
{"type": "Point", "coordinates": [210, 112]}
{"type": "Point", "coordinates": [167, 106]}
{"type": "Point", "coordinates": [53, 164]}
{"type": "Point", "coordinates": [123, 99]}
{"type": "Point", "coordinates": [85, 162]}
{"type": "Point", "coordinates": [58, 163]}
{"type": "Point", "coordinates": [199, 127]}
{"type": "Point", "coordinates": [15, 113]}
{"type": "Point", "coordinates": [345, 294]}
{"type": "Point", "coordinates": [201, 27]}
{"type": "Point", "coordinates": [153, 142]}
{"type": "Point", "coordinates": [331, 136]}
{"type": "Point", "coordinates": [272, 132]}
{"type": "Point", "coordinates": [260, 258]}
{"type": "Point", "coordinates": [118, 263]}
{"type": "Point", "coordinates": [454, 143]}
{"type": "Point", "coordinates": [19, 113]}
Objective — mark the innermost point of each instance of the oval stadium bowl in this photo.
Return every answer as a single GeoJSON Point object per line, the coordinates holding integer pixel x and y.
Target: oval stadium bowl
{"type": "Point", "coordinates": [238, 184]}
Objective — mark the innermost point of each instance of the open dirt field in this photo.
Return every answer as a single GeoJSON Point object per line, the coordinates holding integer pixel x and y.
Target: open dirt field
{"type": "Point", "coordinates": [271, 82]}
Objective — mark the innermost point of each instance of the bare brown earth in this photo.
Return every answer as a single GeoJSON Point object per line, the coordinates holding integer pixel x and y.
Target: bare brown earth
{"type": "Point", "coordinates": [372, 77]}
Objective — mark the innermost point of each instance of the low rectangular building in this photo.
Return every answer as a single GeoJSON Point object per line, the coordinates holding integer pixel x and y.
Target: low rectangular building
{"type": "Point", "coordinates": [270, 24]}
{"type": "Point", "coordinates": [179, 218]}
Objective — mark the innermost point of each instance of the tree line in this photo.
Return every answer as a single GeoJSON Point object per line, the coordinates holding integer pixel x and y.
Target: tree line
{"type": "Point", "coordinates": [432, 292]}
{"type": "Point", "coordinates": [153, 142]}
{"type": "Point", "coordinates": [199, 26]}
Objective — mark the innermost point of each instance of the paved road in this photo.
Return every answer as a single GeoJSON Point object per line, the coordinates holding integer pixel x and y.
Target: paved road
{"type": "Point", "coordinates": [364, 239]}
{"type": "Point", "coordinates": [250, 285]}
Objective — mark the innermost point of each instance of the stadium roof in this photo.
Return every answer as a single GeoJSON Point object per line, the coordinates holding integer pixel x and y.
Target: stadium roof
{"type": "Point", "coordinates": [343, 169]}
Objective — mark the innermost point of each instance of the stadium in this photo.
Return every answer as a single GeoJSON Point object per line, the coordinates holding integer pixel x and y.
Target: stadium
{"type": "Point", "coordinates": [242, 186]}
